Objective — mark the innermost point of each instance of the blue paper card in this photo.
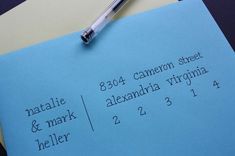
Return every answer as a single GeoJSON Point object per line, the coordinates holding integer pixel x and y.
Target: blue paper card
{"type": "Point", "coordinates": [156, 83]}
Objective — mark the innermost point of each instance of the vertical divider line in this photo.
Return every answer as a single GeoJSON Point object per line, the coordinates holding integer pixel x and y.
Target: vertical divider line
{"type": "Point", "coordinates": [89, 119]}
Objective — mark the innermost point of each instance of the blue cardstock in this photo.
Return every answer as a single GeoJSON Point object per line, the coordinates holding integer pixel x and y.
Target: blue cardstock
{"type": "Point", "coordinates": [156, 83]}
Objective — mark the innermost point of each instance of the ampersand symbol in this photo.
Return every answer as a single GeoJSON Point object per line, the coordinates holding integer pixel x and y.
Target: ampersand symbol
{"type": "Point", "coordinates": [35, 127]}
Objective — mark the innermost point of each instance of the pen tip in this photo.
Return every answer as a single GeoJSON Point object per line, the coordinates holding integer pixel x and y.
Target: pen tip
{"type": "Point", "coordinates": [87, 36]}
{"type": "Point", "coordinates": [84, 39]}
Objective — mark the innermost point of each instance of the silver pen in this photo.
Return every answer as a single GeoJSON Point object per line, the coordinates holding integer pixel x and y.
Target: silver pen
{"type": "Point", "coordinates": [102, 21]}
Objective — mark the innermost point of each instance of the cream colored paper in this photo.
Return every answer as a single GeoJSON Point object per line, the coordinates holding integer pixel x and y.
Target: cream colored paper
{"type": "Point", "coordinates": [35, 21]}
{"type": "Point", "coordinates": [1, 140]}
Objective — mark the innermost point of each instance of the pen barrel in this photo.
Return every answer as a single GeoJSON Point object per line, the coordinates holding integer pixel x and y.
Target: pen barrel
{"type": "Point", "coordinates": [103, 20]}
{"type": "Point", "coordinates": [107, 15]}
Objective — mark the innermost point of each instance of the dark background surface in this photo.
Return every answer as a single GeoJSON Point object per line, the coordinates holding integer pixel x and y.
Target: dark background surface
{"type": "Point", "coordinates": [6, 5]}
{"type": "Point", "coordinates": [2, 151]}
{"type": "Point", "coordinates": [223, 12]}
